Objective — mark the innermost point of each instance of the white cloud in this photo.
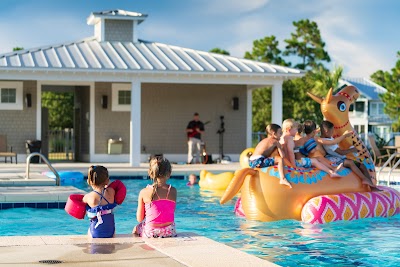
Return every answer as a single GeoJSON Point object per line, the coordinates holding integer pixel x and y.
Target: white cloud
{"type": "Point", "coordinates": [343, 33]}
{"type": "Point", "coordinates": [232, 6]}
{"type": "Point", "coordinates": [39, 32]}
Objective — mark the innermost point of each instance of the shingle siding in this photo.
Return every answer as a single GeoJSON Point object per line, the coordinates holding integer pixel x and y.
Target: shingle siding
{"type": "Point", "coordinates": [118, 30]}
{"type": "Point", "coordinates": [20, 125]}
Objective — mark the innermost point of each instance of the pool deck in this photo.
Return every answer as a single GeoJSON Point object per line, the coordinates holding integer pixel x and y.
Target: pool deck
{"type": "Point", "coordinates": [187, 249]}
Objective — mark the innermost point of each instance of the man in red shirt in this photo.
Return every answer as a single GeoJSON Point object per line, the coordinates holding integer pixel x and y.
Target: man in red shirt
{"type": "Point", "coordinates": [194, 130]}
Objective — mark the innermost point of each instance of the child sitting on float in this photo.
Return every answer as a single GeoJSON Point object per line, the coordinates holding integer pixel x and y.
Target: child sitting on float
{"type": "Point", "coordinates": [157, 202]}
{"type": "Point", "coordinates": [268, 152]}
{"type": "Point", "coordinates": [311, 145]}
{"type": "Point", "coordinates": [337, 155]}
{"type": "Point", "coordinates": [100, 203]}
{"type": "Point", "coordinates": [290, 128]}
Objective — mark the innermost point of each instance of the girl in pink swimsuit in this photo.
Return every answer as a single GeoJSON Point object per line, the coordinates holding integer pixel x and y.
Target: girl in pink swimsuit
{"type": "Point", "coordinates": [156, 203]}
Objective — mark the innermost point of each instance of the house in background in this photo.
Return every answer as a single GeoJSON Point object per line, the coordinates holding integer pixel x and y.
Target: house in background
{"type": "Point", "coordinates": [366, 114]}
{"type": "Point", "coordinates": [142, 92]}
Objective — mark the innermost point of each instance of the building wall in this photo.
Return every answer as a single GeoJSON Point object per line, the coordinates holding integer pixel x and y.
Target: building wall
{"type": "Point", "coordinates": [166, 111]}
{"type": "Point", "coordinates": [20, 125]}
{"type": "Point", "coordinates": [109, 124]}
{"type": "Point", "coordinates": [118, 30]}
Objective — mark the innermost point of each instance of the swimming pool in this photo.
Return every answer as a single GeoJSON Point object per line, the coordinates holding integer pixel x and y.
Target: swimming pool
{"type": "Point", "coordinates": [368, 242]}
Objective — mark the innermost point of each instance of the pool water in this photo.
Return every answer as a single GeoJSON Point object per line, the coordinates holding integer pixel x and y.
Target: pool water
{"type": "Point", "coordinates": [367, 242]}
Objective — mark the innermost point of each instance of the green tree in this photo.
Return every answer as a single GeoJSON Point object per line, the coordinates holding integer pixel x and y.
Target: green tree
{"type": "Point", "coordinates": [391, 81]}
{"type": "Point", "coordinates": [296, 103]}
{"type": "Point", "coordinates": [306, 43]}
{"type": "Point", "coordinates": [61, 108]}
{"type": "Point", "coordinates": [219, 51]}
{"type": "Point", "coordinates": [324, 80]}
{"type": "Point", "coordinates": [266, 50]}
{"type": "Point", "coordinates": [18, 48]}
{"type": "Point", "coordinates": [261, 108]}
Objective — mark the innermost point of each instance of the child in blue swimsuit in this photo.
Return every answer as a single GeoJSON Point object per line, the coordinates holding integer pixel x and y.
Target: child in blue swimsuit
{"type": "Point", "coordinates": [100, 203]}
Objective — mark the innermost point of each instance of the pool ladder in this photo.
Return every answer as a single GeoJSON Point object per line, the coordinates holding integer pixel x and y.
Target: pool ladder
{"type": "Point", "coordinates": [28, 163]}
{"type": "Point", "coordinates": [392, 168]}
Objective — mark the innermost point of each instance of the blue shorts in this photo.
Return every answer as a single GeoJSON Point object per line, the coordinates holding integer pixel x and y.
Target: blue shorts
{"type": "Point", "coordinates": [261, 162]}
{"type": "Point", "coordinates": [303, 162]}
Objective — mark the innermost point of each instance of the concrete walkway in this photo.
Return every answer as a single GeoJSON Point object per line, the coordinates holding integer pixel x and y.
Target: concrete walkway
{"type": "Point", "coordinates": [124, 250]}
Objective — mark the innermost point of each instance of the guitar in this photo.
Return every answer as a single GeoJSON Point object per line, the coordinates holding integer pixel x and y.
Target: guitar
{"type": "Point", "coordinates": [193, 134]}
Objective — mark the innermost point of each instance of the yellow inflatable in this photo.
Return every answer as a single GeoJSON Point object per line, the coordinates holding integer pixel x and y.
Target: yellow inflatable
{"type": "Point", "coordinates": [215, 181]}
{"type": "Point", "coordinates": [264, 199]}
{"type": "Point", "coordinates": [244, 157]}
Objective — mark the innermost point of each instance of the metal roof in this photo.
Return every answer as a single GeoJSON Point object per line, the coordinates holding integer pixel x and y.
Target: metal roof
{"type": "Point", "coordinates": [141, 56]}
{"type": "Point", "coordinates": [368, 88]}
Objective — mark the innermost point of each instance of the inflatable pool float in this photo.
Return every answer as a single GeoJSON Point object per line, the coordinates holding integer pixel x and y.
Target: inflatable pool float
{"type": "Point", "coordinates": [215, 181]}
{"type": "Point", "coordinates": [351, 206]}
{"type": "Point", "coordinates": [315, 197]}
{"type": "Point", "coordinates": [77, 208]}
{"type": "Point", "coordinates": [66, 177]}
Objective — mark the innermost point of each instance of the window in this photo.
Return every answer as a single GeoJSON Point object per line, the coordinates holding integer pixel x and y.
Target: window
{"type": "Point", "coordinates": [373, 109]}
{"type": "Point", "coordinates": [11, 95]}
{"type": "Point", "coordinates": [121, 97]}
{"type": "Point", "coordinates": [359, 106]}
{"type": "Point", "coordinates": [8, 95]}
{"type": "Point", "coordinates": [377, 109]}
{"type": "Point", "coordinates": [124, 97]}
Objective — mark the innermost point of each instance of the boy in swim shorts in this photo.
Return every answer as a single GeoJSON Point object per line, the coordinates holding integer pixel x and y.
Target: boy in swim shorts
{"type": "Point", "coordinates": [268, 152]}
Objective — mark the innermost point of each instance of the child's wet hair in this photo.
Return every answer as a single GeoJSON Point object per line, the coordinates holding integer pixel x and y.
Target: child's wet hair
{"type": "Point", "coordinates": [97, 175]}
{"type": "Point", "coordinates": [326, 125]}
{"type": "Point", "coordinates": [272, 128]}
{"type": "Point", "coordinates": [309, 126]}
{"type": "Point", "coordinates": [289, 124]}
{"type": "Point", "coordinates": [300, 128]}
{"type": "Point", "coordinates": [160, 167]}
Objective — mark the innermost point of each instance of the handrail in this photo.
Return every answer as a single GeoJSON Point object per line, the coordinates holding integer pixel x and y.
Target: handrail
{"type": "Point", "coordinates": [28, 162]}
{"type": "Point", "coordinates": [386, 163]}
{"type": "Point", "coordinates": [393, 167]}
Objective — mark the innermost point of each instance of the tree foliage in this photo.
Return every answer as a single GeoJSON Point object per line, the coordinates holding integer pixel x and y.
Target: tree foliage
{"type": "Point", "coordinates": [61, 108]}
{"type": "Point", "coordinates": [18, 48]}
{"type": "Point", "coordinates": [261, 108]}
{"type": "Point", "coordinates": [391, 81]}
{"type": "Point", "coordinates": [306, 43]}
{"type": "Point", "coordinates": [266, 50]}
{"type": "Point", "coordinates": [219, 51]}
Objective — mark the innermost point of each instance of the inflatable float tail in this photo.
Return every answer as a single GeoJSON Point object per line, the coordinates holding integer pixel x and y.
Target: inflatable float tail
{"type": "Point", "coordinates": [236, 184]}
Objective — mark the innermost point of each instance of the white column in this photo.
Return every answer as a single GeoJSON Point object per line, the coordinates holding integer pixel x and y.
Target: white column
{"type": "Point", "coordinates": [135, 126]}
{"type": "Point", "coordinates": [38, 110]}
{"type": "Point", "coordinates": [276, 116]}
{"type": "Point", "coordinates": [92, 129]}
{"type": "Point", "coordinates": [249, 118]}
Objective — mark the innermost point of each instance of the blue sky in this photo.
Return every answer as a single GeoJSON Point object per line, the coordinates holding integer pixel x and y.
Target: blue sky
{"type": "Point", "coordinates": [363, 36]}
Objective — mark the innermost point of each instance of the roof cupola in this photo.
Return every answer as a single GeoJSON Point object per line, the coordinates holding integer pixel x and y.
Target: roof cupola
{"type": "Point", "coordinates": [116, 25]}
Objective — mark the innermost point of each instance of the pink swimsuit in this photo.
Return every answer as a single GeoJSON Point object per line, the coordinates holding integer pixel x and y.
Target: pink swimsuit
{"type": "Point", "coordinates": [159, 211]}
